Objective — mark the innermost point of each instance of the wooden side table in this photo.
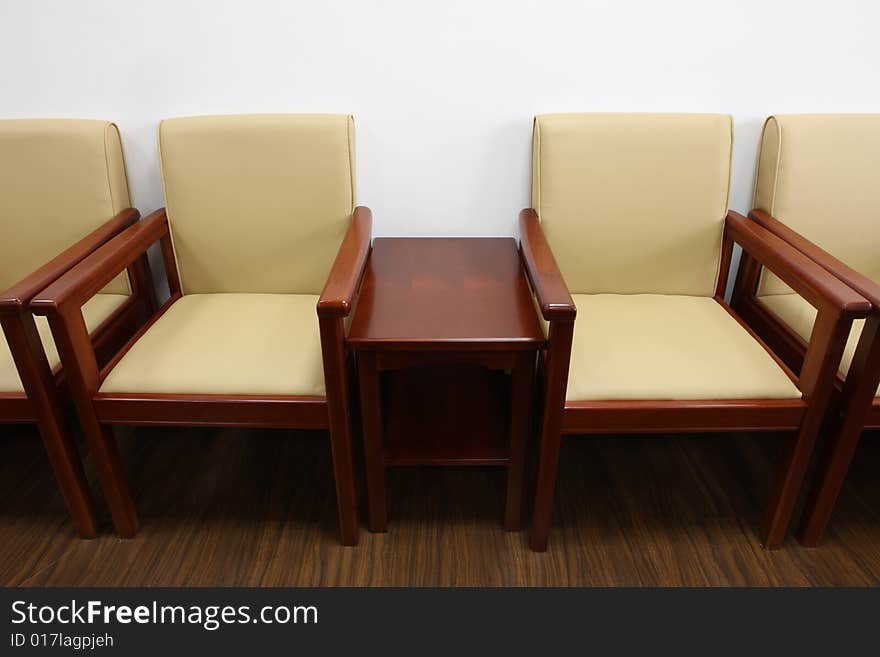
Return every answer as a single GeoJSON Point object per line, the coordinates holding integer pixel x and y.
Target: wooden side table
{"type": "Point", "coordinates": [446, 338]}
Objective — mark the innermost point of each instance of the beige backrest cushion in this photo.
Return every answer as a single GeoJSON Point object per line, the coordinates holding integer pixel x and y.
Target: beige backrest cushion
{"type": "Point", "coordinates": [60, 179]}
{"type": "Point", "coordinates": [633, 203]}
{"type": "Point", "coordinates": [819, 174]}
{"type": "Point", "coordinates": [257, 203]}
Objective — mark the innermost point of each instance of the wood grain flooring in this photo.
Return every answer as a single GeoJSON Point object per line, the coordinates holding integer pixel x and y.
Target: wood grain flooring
{"type": "Point", "coordinates": [232, 507]}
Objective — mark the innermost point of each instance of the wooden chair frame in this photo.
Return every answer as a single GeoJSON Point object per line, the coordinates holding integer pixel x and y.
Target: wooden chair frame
{"type": "Point", "coordinates": [45, 392]}
{"type": "Point", "coordinates": [856, 406]}
{"type": "Point", "coordinates": [837, 304]}
{"type": "Point", "coordinates": [61, 303]}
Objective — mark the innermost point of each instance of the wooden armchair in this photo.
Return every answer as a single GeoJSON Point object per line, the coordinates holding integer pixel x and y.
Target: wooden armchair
{"type": "Point", "coordinates": [815, 186]}
{"type": "Point", "coordinates": [63, 193]}
{"type": "Point", "coordinates": [259, 219]}
{"type": "Point", "coordinates": [630, 215]}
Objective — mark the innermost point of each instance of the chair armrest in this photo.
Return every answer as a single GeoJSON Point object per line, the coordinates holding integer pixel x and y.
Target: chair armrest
{"type": "Point", "coordinates": [19, 296]}
{"type": "Point", "coordinates": [337, 298]}
{"type": "Point", "coordinates": [553, 298]}
{"type": "Point", "coordinates": [812, 282]}
{"type": "Point", "coordinates": [92, 273]}
{"type": "Point", "coordinates": [861, 284]}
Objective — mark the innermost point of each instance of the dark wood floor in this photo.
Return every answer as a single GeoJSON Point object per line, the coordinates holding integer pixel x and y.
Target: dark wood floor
{"type": "Point", "coordinates": [232, 507]}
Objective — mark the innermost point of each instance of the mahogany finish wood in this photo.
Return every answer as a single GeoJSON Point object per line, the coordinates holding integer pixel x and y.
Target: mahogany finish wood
{"type": "Point", "coordinates": [543, 273]}
{"type": "Point", "coordinates": [853, 414]}
{"type": "Point", "coordinates": [61, 303]}
{"type": "Point", "coordinates": [866, 287]}
{"type": "Point", "coordinates": [857, 406]}
{"type": "Point", "coordinates": [724, 266]}
{"type": "Point", "coordinates": [788, 345]}
{"type": "Point", "coordinates": [45, 393]}
{"type": "Point", "coordinates": [337, 300]}
{"type": "Point", "coordinates": [460, 294]}
{"type": "Point", "coordinates": [105, 370]}
{"type": "Point", "coordinates": [816, 382]}
{"type": "Point", "coordinates": [796, 269]}
{"type": "Point", "coordinates": [422, 413]}
{"type": "Point", "coordinates": [343, 284]}
{"type": "Point", "coordinates": [586, 417]}
{"type": "Point", "coordinates": [19, 295]}
{"type": "Point", "coordinates": [439, 323]}
{"type": "Point", "coordinates": [739, 320]}
{"type": "Point", "coordinates": [16, 408]}
{"type": "Point", "coordinates": [556, 368]}
{"type": "Point", "coordinates": [522, 393]}
{"type": "Point", "coordinates": [371, 417]}
{"type": "Point", "coordinates": [338, 416]}
{"type": "Point", "coordinates": [91, 274]}
{"type": "Point", "coordinates": [838, 305]}
{"type": "Point", "coordinates": [42, 395]}
{"type": "Point", "coordinates": [273, 411]}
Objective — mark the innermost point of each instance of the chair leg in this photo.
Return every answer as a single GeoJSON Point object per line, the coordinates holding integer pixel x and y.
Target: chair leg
{"type": "Point", "coordinates": [36, 377]}
{"type": "Point", "coordinates": [66, 463]}
{"type": "Point", "coordinates": [343, 474]}
{"type": "Point", "coordinates": [555, 382]}
{"type": "Point", "coordinates": [830, 474]}
{"type": "Point", "coordinates": [81, 371]}
{"type": "Point", "coordinates": [114, 482]}
{"type": "Point", "coordinates": [338, 411]}
{"type": "Point", "coordinates": [858, 395]}
{"type": "Point", "coordinates": [548, 467]}
{"type": "Point", "coordinates": [821, 362]}
{"type": "Point", "coordinates": [788, 486]}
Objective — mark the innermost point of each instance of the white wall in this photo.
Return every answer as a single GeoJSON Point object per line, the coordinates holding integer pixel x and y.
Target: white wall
{"type": "Point", "coordinates": [442, 92]}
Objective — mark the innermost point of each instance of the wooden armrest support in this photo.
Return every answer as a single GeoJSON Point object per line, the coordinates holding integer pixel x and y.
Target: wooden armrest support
{"type": "Point", "coordinates": [861, 284]}
{"type": "Point", "coordinates": [19, 296]}
{"type": "Point", "coordinates": [812, 282]}
{"type": "Point", "coordinates": [90, 275]}
{"type": "Point", "coordinates": [337, 298]}
{"type": "Point", "coordinates": [553, 298]}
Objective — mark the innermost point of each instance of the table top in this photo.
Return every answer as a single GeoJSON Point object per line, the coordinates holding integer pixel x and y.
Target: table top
{"type": "Point", "coordinates": [441, 293]}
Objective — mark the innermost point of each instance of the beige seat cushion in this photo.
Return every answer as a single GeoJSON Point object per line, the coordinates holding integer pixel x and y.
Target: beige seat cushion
{"type": "Point", "coordinates": [257, 203]}
{"type": "Point", "coordinates": [818, 174]}
{"type": "Point", "coordinates": [800, 316]}
{"type": "Point", "coordinates": [248, 344]}
{"type": "Point", "coordinates": [96, 310]}
{"type": "Point", "coordinates": [60, 179]}
{"type": "Point", "coordinates": [660, 347]}
{"type": "Point", "coordinates": [633, 203]}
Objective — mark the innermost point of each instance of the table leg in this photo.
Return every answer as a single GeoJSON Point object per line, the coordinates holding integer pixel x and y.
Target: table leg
{"type": "Point", "coordinates": [371, 415]}
{"type": "Point", "coordinates": [521, 402]}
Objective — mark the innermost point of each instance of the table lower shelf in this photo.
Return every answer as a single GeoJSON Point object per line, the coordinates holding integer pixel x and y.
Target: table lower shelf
{"type": "Point", "coordinates": [455, 414]}
{"type": "Point", "coordinates": [413, 457]}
